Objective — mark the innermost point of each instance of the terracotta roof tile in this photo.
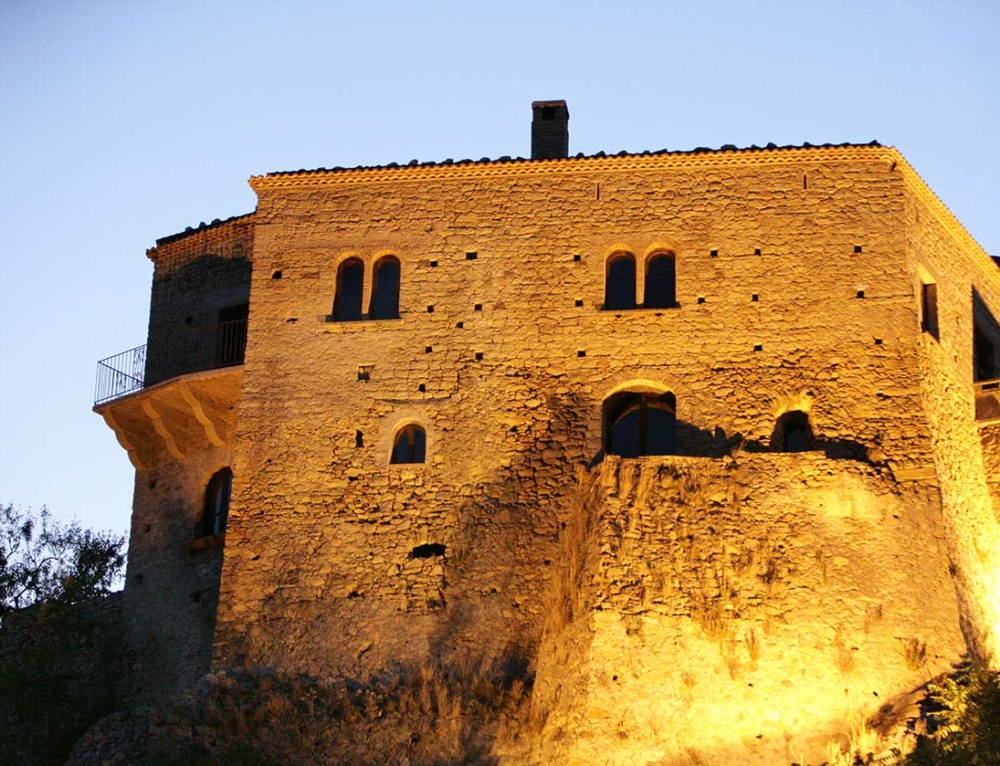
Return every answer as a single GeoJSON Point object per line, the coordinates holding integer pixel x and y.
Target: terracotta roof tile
{"type": "Point", "coordinates": [624, 153]}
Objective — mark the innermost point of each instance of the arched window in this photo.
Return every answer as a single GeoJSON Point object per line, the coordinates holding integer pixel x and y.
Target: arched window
{"type": "Point", "coordinates": [410, 445]}
{"type": "Point", "coordinates": [619, 283]}
{"type": "Point", "coordinates": [385, 289]}
{"type": "Point", "coordinates": [639, 423]}
{"type": "Point", "coordinates": [792, 432]}
{"type": "Point", "coordinates": [216, 510]}
{"type": "Point", "coordinates": [661, 282]}
{"type": "Point", "coordinates": [350, 286]}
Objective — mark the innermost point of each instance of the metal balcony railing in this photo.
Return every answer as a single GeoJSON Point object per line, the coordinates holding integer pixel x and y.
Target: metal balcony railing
{"type": "Point", "coordinates": [124, 373]}
{"type": "Point", "coordinates": [120, 374]}
{"type": "Point", "coordinates": [230, 342]}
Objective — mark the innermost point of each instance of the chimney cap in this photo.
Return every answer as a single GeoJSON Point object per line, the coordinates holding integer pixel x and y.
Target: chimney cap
{"type": "Point", "coordinates": [553, 103]}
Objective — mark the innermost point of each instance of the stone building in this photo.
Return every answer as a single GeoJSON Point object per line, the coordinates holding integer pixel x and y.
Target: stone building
{"type": "Point", "coordinates": [710, 437]}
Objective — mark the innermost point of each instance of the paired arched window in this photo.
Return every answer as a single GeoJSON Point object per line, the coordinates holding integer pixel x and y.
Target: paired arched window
{"type": "Point", "coordinates": [640, 423]}
{"type": "Point", "coordinates": [385, 289]}
{"type": "Point", "coordinates": [659, 285]}
{"type": "Point", "coordinates": [350, 291]}
{"type": "Point", "coordinates": [409, 445]}
{"type": "Point", "coordinates": [215, 513]}
{"type": "Point", "coordinates": [661, 282]}
{"type": "Point", "coordinates": [619, 283]}
{"type": "Point", "coordinates": [348, 301]}
{"type": "Point", "coordinates": [792, 432]}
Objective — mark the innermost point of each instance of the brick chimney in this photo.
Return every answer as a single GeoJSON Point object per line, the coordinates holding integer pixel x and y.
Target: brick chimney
{"type": "Point", "coordinates": [549, 130]}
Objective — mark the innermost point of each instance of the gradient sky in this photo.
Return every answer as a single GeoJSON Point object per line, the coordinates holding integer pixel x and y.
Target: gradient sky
{"type": "Point", "coordinates": [121, 122]}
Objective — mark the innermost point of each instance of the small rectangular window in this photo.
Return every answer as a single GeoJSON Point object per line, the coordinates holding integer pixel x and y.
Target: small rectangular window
{"type": "Point", "coordinates": [928, 309]}
{"type": "Point", "coordinates": [983, 355]}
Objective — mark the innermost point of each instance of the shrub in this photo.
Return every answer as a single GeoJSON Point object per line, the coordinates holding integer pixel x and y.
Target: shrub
{"type": "Point", "coordinates": [964, 721]}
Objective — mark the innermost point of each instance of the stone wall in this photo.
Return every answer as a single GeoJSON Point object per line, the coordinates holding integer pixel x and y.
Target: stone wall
{"type": "Point", "coordinates": [942, 253]}
{"type": "Point", "coordinates": [734, 605]}
{"type": "Point", "coordinates": [179, 435]}
{"type": "Point", "coordinates": [794, 294]}
{"type": "Point", "coordinates": [61, 669]}
{"type": "Point", "coordinates": [197, 277]}
{"type": "Point", "coordinates": [746, 610]}
{"type": "Point", "coordinates": [172, 582]}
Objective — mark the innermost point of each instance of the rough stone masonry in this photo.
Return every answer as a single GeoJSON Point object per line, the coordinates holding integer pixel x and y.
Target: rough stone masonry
{"type": "Point", "coordinates": [726, 400]}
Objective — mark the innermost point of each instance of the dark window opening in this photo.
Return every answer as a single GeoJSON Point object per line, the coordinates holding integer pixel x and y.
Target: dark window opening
{"type": "Point", "coordinates": [637, 424]}
{"type": "Point", "coordinates": [661, 282]}
{"type": "Point", "coordinates": [231, 335]}
{"type": "Point", "coordinates": [410, 445]}
{"type": "Point", "coordinates": [984, 355]}
{"type": "Point", "coordinates": [215, 513]}
{"type": "Point", "coordinates": [928, 309]}
{"type": "Point", "coordinates": [619, 283]}
{"type": "Point", "coordinates": [428, 550]}
{"type": "Point", "coordinates": [985, 340]}
{"type": "Point", "coordinates": [359, 439]}
{"type": "Point", "coordinates": [792, 433]}
{"type": "Point", "coordinates": [350, 287]}
{"type": "Point", "coordinates": [385, 289]}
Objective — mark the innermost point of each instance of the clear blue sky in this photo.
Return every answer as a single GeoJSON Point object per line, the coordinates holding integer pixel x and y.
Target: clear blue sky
{"type": "Point", "coordinates": [121, 122]}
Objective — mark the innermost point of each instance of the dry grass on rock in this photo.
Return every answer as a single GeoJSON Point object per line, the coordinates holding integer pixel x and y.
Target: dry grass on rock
{"type": "Point", "coordinates": [420, 717]}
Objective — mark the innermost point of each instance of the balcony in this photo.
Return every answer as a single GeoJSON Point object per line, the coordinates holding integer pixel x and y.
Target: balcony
{"type": "Point", "coordinates": [191, 410]}
{"type": "Point", "coordinates": [125, 373]}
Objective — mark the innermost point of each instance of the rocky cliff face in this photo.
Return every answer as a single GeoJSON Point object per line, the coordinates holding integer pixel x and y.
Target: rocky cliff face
{"type": "Point", "coordinates": [749, 610]}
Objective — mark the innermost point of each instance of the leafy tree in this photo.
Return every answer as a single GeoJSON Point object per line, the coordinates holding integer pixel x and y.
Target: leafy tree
{"type": "Point", "coordinates": [968, 721]}
{"type": "Point", "coordinates": [42, 559]}
{"type": "Point", "coordinates": [58, 660]}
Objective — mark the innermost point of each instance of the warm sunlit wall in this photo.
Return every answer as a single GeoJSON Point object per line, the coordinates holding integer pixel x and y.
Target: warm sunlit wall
{"type": "Point", "coordinates": [940, 250]}
{"type": "Point", "coordinates": [317, 574]}
{"type": "Point", "coordinates": [750, 611]}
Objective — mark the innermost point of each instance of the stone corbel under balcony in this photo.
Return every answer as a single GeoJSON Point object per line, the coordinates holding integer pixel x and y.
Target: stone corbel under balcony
{"type": "Point", "coordinates": [172, 418]}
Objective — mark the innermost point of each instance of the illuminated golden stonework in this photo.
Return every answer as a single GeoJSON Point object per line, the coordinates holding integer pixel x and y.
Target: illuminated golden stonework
{"type": "Point", "coordinates": [709, 437]}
